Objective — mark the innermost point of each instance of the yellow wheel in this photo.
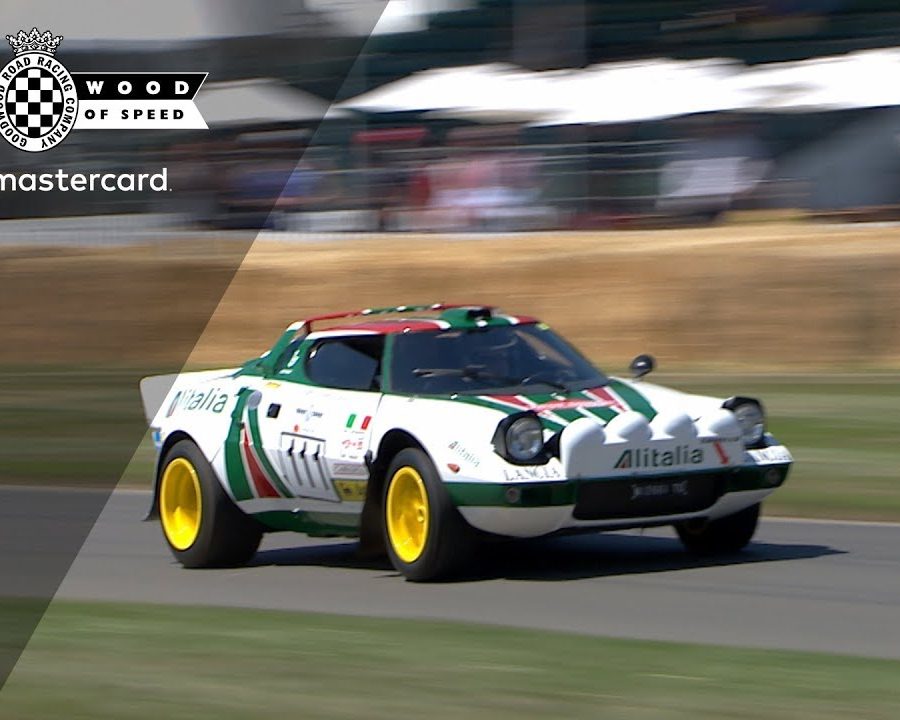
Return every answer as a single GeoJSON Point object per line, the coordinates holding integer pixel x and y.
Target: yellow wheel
{"type": "Point", "coordinates": [180, 503]}
{"type": "Point", "coordinates": [200, 522]}
{"type": "Point", "coordinates": [407, 514]}
{"type": "Point", "coordinates": [425, 536]}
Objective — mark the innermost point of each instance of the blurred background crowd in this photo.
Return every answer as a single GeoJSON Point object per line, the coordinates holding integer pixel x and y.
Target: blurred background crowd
{"type": "Point", "coordinates": [497, 114]}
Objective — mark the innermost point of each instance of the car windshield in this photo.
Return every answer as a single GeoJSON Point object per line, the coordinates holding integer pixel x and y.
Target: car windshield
{"type": "Point", "coordinates": [509, 358]}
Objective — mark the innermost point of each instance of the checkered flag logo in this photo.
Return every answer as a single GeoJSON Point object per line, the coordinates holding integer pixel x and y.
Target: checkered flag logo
{"type": "Point", "coordinates": [41, 102]}
{"type": "Point", "coordinates": [38, 98]}
{"type": "Point", "coordinates": [34, 102]}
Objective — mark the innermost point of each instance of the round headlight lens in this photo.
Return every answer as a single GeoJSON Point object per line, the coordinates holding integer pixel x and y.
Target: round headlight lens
{"type": "Point", "coordinates": [525, 438]}
{"type": "Point", "coordinates": [752, 421]}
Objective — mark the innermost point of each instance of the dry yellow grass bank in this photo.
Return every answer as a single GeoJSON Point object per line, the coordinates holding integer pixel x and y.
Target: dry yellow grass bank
{"type": "Point", "coordinates": [766, 296]}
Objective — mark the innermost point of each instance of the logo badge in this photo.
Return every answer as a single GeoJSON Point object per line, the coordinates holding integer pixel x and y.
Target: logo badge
{"type": "Point", "coordinates": [38, 99]}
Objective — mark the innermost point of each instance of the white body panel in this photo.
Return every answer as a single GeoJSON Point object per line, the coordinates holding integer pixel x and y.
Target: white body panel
{"type": "Point", "coordinates": [317, 442]}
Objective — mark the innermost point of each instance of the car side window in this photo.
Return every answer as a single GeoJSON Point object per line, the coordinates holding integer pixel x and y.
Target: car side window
{"type": "Point", "coordinates": [350, 363]}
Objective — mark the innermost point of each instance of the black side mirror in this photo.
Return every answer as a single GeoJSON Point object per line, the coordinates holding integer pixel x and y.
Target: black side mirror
{"type": "Point", "coordinates": [642, 365]}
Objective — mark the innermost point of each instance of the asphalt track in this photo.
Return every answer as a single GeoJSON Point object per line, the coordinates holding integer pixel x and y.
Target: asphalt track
{"type": "Point", "coordinates": [821, 586]}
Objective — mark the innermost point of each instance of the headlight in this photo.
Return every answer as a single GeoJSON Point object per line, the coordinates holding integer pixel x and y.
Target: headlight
{"type": "Point", "coordinates": [520, 439]}
{"type": "Point", "coordinates": [750, 417]}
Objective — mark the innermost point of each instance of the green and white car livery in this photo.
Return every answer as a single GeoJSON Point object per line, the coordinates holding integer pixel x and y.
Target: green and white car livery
{"type": "Point", "coordinates": [426, 429]}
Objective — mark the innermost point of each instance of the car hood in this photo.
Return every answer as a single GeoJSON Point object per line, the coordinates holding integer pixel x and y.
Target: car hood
{"type": "Point", "coordinates": [557, 409]}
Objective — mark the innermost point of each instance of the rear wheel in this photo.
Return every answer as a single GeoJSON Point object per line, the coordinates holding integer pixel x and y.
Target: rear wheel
{"type": "Point", "coordinates": [201, 524]}
{"type": "Point", "coordinates": [725, 535]}
{"type": "Point", "coordinates": [425, 536]}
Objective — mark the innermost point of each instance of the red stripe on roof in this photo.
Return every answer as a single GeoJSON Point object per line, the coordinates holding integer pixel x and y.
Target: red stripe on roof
{"type": "Point", "coordinates": [389, 327]}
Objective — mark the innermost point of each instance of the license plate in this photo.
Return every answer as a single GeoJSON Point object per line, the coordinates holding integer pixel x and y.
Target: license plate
{"type": "Point", "coordinates": [646, 497]}
{"type": "Point", "coordinates": [679, 488]}
{"type": "Point", "coordinates": [771, 455]}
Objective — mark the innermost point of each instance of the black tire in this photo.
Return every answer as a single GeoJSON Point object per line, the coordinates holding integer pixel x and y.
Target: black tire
{"type": "Point", "coordinates": [226, 537]}
{"type": "Point", "coordinates": [729, 534]}
{"type": "Point", "coordinates": [448, 539]}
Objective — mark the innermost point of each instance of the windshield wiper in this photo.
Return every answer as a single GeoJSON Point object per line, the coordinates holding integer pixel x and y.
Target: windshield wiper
{"type": "Point", "coordinates": [469, 371]}
{"type": "Point", "coordinates": [552, 383]}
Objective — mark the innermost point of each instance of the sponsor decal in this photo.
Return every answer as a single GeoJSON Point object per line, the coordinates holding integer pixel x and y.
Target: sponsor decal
{"type": "Point", "coordinates": [41, 102]}
{"type": "Point", "coordinates": [464, 453]}
{"type": "Point", "coordinates": [663, 489]}
{"type": "Point", "coordinates": [156, 435]}
{"type": "Point", "coordinates": [654, 458]}
{"type": "Point", "coordinates": [353, 445]}
{"type": "Point", "coordinates": [309, 419]}
{"type": "Point", "coordinates": [173, 406]}
{"type": "Point", "coordinates": [349, 470]}
{"type": "Point", "coordinates": [207, 399]}
{"type": "Point", "coordinates": [720, 451]}
{"type": "Point", "coordinates": [533, 472]}
{"type": "Point", "coordinates": [351, 490]}
{"type": "Point", "coordinates": [355, 422]}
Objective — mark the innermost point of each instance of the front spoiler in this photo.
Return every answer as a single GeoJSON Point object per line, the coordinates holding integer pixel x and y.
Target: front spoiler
{"type": "Point", "coordinates": [534, 508]}
{"type": "Point", "coordinates": [537, 522]}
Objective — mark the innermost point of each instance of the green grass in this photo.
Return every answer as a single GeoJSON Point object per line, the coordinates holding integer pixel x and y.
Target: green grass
{"type": "Point", "coordinates": [843, 431]}
{"type": "Point", "coordinates": [131, 662]}
{"type": "Point", "coordinates": [68, 426]}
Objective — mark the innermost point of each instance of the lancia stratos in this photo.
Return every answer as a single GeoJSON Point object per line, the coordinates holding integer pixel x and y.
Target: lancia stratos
{"type": "Point", "coordinates": [424, 430]}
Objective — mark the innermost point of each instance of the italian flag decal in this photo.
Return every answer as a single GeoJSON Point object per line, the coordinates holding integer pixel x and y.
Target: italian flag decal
{"type": "Point", "coordinates": [355, 422]}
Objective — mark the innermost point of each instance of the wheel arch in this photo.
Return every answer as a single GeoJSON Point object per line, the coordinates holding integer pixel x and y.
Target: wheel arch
{"type": "Point", "coordinates": [392, 442]}
{"type": "Point", "coordinates": [171, 440]}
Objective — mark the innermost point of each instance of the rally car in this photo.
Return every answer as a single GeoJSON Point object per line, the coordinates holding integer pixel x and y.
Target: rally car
{"type": "Point", "coordinates": [424, 430]}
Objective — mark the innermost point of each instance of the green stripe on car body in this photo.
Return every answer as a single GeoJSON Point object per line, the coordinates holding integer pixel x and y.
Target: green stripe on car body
{"type": "Point", "coordinates": [538, 494]}
{"type": "Point", "coordinates": [463, 319]}
{"type": "Point", "coordinates": [314, 524]}
{"type": "Point", "coordinates": [234, 464]}
{"type": "Point", "coordinates": [633, 398]}
{"type": "Point", "coordinates": [253, 416]}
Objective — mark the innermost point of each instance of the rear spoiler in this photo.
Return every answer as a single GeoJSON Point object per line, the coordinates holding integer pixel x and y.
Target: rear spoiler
{"type": "Point", "coordinates": [154, 390]}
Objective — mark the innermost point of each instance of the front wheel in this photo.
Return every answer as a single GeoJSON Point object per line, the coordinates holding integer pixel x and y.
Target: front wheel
{"type": "Point", "coordinates": [725, 535]}
{"type": "Point", "coordinates": [201, 524]}
{"type": "Point", "coordinates": [425, 536]}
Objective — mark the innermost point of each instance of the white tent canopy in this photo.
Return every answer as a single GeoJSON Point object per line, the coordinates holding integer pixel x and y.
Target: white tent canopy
{"type": "Point", "coordinates": [259, 101]}
{"type": "Point", "coordinates": [438, 89]}
{"type": "Point", "coordinates": [650, 89]}
{"type": "Point", "coordinates": [641, 90]}
{"type": "Point", "coordinates": [857, 80]}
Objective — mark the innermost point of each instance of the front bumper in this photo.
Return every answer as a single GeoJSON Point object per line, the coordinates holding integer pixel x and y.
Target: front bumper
{"type": "Point", "coordinates": [534, 508]}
